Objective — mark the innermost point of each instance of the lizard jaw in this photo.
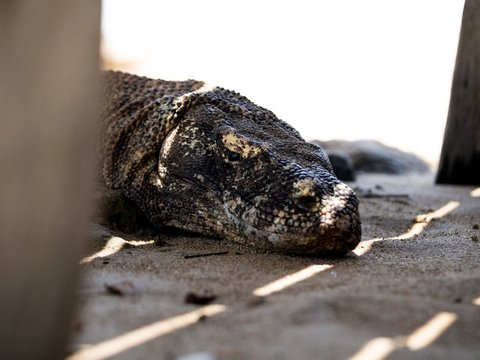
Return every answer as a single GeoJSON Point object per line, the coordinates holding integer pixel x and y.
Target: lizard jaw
{"type": "Point", "coordinates": [336, 238]}
{"type": "Point", "coordinates": [312, 223]}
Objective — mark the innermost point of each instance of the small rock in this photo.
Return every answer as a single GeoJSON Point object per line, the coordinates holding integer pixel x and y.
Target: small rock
{"type": "Point", "coordinates": [200, 299]}
{"type": "Point", "coordinates": [256, 301]}
{"type": "Point", "coordinates": [120, 289]}
{"type": "Point", "coordinates": [476, 226]}
{"type": "Point", "coordinates": [475, 238]}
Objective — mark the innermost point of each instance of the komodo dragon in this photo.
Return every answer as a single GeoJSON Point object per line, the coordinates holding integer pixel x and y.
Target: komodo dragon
{"type": "Point", "coordinates": [208, 160]}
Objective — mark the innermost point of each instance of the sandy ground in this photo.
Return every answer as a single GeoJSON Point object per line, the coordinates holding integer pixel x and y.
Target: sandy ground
{"type": "Point", "coordinates": [411, 290]}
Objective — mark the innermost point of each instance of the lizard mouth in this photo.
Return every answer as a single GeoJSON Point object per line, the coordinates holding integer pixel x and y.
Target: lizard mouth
{"type": "Point", "coordinates": [328, 238]}
{"type": "Point", "coordinates": [311, 219]}
{"type": "Point", "coordinates": [336, 239]}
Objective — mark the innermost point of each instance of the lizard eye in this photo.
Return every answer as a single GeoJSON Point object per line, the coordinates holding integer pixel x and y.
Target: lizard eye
{"type": "Point", "coordinates": [233, 156]}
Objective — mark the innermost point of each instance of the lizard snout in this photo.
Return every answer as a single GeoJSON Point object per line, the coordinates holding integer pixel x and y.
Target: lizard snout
{"type": "Point", "coordinates": [330, 219]}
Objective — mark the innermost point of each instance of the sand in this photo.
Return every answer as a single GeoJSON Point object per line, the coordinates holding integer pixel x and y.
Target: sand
{"type": "Point", "coordinates": [411, 290]}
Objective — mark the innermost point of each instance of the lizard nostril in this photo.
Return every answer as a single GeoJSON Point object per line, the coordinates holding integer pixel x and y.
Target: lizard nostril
{"type": "Point", "coordinates": [306, 202]}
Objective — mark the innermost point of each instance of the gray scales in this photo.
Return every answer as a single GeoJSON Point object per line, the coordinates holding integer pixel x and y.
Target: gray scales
{"type": "Point", "coordinates": [208, 160]}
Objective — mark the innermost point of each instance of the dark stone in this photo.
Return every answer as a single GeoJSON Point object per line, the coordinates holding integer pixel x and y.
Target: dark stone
{"type": "Point", "coordinates": [342, 165]}
{"type": "Point", "coordinates": [373, 157]}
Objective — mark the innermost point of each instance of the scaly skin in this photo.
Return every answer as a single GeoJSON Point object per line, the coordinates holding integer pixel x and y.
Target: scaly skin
{"type": "Point", "coordinates": [210, 161]}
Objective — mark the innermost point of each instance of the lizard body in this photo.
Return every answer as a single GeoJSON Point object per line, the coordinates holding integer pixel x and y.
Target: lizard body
{"type": "Point", "coordinates": [210, 161]}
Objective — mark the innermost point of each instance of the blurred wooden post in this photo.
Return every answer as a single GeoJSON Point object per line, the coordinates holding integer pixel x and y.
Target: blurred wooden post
{"type": "Point", "coordinates": [48, 107]}
{"type": "Point", "coordinates": [460, 158]}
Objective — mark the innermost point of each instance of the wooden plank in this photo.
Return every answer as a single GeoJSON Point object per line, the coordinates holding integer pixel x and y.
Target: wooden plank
{"type": "Point", "coordinates": [460, 157]}
{"type": "Point", "coordinates": [48, 105]}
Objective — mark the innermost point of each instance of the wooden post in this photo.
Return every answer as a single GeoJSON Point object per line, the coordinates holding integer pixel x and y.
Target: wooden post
{"type": "Point", "coordinates": [460, 158]}
{"type": "Point", "coordinates": [48, 107]}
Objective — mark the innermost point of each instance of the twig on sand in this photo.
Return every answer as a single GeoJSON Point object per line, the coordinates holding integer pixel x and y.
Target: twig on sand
{"type": "Point", "coordinates": [375, 195]}
{"type": "Point", "coordinates": [190, 256]}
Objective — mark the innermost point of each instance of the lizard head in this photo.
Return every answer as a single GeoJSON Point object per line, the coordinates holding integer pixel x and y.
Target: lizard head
{"type": "Point", "coordinates": [238, 171]}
